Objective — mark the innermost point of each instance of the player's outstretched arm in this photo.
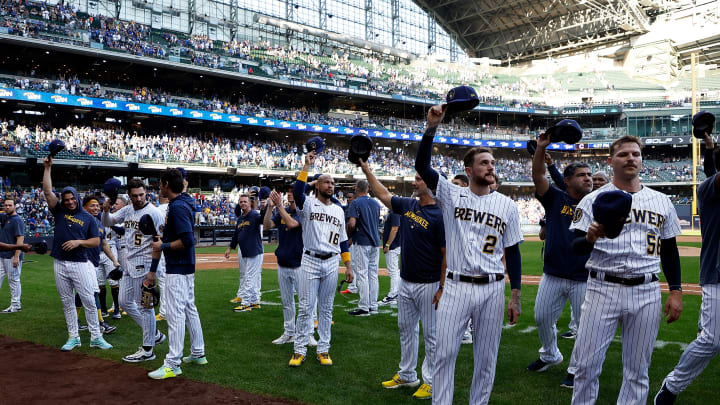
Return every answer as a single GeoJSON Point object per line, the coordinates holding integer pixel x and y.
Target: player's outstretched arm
{"type": "Point", "coordinates": [538, 167]}
{"type": "Point", "coordinates": [47, 184]}
{"type": "Point", "coordinates": [6, 247]}
{"type": "Point", "coordinates": [299, 186]}
{"type": "Point", "coordinates": [380, 191]}
{"type": "Point", "coordinates": [670, 259]}
{"type": "Point", "coordinates": [514, 269]}
{"type": "Point", "coordinates": [424, 154]}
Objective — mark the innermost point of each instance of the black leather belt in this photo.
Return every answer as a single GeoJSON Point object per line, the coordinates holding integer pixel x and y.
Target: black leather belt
{"type": "Point", "coordinates": [321, 256]}
{"type": "Point", "coordinates": [630, 281]}
{"type": "Point", "coordinates": [486, 279]}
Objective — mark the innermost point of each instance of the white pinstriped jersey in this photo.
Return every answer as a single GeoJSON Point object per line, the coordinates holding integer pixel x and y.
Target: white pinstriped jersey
{"type": "Point", "coordinates": [139, 249]}
{"type": "Point", "coordinates": [323, 226]}
{"type": "Point", "coordinates": [477, 228]}
{"type": "Point", "coordinates": [636, 250]}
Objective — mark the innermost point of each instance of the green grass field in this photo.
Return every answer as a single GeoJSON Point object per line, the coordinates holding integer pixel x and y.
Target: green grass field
{"type": "Point", "coordinates": [365, 351]}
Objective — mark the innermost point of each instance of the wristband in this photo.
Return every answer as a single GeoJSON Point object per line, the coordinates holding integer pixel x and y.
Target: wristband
{"type": "Point", "coordinates": [166, 246]}
{"type": "Point", "coordinates": [303, 176]}
{"type": "Point", "coordinates": [675, 288]}
{"type": "Point", "coordinates": [154, 265]}
{"type": "Point", "coordinates": [440, 287]}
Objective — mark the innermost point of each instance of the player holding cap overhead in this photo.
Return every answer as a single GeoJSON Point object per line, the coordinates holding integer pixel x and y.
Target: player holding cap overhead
{"type": "Point", "coordinates": [623, 285]}
{"type": "Point", "coordinates": [75, 233]}
{"type": "Point", "coordinates": [480, 228]}
{"type": "Point", "coordinates": [702, 350]}
{"type": "Point", "coordinates": [324, 237]}
{"type": "Point", "coordinates": [136, 264]}
{"type": "Point", "coordinates": [564, 276]}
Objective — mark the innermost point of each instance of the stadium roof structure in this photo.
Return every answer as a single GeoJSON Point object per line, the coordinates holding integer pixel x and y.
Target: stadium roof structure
{"type": "Point", "coordinates": [522, 30]}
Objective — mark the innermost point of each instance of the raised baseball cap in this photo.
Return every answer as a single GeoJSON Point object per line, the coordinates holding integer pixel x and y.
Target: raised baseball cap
{"type": "Point", "coordinates": [360, 147]}
{"type": "Point", "coordinates": [703, 122]}
{"type": "Point", "coordinates": [55, 147]}
{"type": "Point", "coordinates": [315, 144]}
{"type": "Point", "coordinates": [531, 147]}
{"type": "Point", "coordinates": [461, 98]}
{"type": "Point", "coordinates": [611, 209]}
{"type": "Point", "coordinates": [568, 131]}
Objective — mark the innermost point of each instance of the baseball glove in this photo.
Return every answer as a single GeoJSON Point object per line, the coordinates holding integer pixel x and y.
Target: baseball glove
{"type": "Point", "coordinates": [40, 247]}
{"type": "Point", "coordinates": [150, 296]}
{"type": "Point", "coordinates": [116, 274]}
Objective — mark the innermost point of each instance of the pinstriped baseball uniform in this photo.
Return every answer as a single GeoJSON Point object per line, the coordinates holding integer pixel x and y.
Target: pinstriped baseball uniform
{"type": "Point", "coordinates": [289, 256]}
{"type": "Point", "coordinates": [10, 229]}
{"type": "Point", "coordinates": [634, 253]}
{"type": "Point", "coordinates": [323, 229]}
{"type": "Point", "coordinates": [477, 231]}
{"type": "Point", "coordinates": [136, 264]}
{"type": "Point", "coordinates": [702, 350]}
{"type": "Point", "coordinates": [160, 274]}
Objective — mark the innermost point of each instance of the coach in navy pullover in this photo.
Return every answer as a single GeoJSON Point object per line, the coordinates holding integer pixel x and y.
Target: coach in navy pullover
{"type": "Point", "coordinates": [247, 234]}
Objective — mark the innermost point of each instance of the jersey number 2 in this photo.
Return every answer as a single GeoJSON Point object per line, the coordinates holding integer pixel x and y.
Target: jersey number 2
{"type": "Point", "coordinates": [489, 246]}
{"type": "Point", "coordinates": [334, 238]}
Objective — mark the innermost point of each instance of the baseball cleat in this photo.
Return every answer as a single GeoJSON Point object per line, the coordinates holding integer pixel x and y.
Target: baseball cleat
{"type": "Point", "coordinates": [397, 382]}
{"type": "Point", "coordinates": [139, 356]}
{"type": "Point", "coordinates": [311, 341]}
{"type": "Point", "coordinates": [82, 327]}
{"type": "Point", "coordinates": [359, 312]}
{"type": "Point", "coordinates": [467, 338]}
{"type": "Point", "coordinates": [568, 382]}
{"type": "Point", "coordinates": [569, 335]}
{"type": "Point", "coordinates": [71, 344]}
{"type": "Point", "coordinates": [10, 310]}
{"type": "Point", "coordinates": [539, 366]}
{"type": "Point", "coordinates": [315, 324]}
{"type": "Point", "coordinates": [373, 311]}
{"type": "Point", "coordinates": [106, 328]}
{"type": "Point", "coordinates": [283, 339]}
{"type": "Point", "coordinates": [159, 317]}
{"type": "Point", "coordinates": [116, 315]}
{"type": "Point", "coordinates": [104, 314]}
{"type": "Point", "coordinates": [160, 338]}
{"type": "Point", "coordinates": [664, 396]}
{"type": "Point", "coordinates": [195, 360]}
{"type": "Point", "coordinates": [296, 360]}
{"type": "Point", "coordinates": [236, 300]}
{"type": "Point", "coordinates": [100, 343]}
{"type": "Point", "coordinates": [388, 300]}
{"type": "Point", "coordinates": [324, 359]}
{"type": "Point", "coordinates": [346, 292]}
{"type": "Point", "coordinates": [424, 392]}
{"type": "Point", "coordinates": [165, 372]}
{"type": "Point", "coordinates": [246, 308]}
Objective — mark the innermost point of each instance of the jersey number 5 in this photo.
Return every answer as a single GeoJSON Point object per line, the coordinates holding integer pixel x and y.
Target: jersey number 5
{"type": "Point", "coordinates": [489, 246]}
{"type": "Point", "coordinates": [653, 245]}
{"type": "Point", "coordinates": [334, 238]}
{"type": "Point", "coordinates": [138, 239]}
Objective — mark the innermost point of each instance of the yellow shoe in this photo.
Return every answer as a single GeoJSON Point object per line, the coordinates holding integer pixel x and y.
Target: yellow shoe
{"type": "Point", "coordinates": [424, 392]}
{"type": "Point", "coordinates": [296, 360]}
{"type": "Point", "coordinates": [159, 317]}
{"type": "Point", "coordinates": [324, 359]}
{"type": "Point", "coordinates": [315, 324]}
{"type": "Point", "coordinates": [236, 300]}
{"type": "Point", "coordinates": [398, 382]}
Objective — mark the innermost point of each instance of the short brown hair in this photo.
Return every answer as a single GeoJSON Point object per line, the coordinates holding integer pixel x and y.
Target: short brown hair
{"type": "Point", "coordinates": [136, 183]}
{"type": "Point", "coordinates": [10, 198]}
{"type": "Point", "coordinates": [469, 158]}
{"type": "Point", "coordinates": [623, 140]}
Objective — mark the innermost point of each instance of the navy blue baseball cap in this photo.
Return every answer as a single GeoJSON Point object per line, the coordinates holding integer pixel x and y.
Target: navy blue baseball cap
{"type": "Point", "coordinates": [611, 209]}
{"type": "Point", "coordinates": [264, 192]}
{"type": "Point", "coordinates": [360, 147]}
{"type": "Point", "coordinates": [461, 98]}
{"type": "Point", "coordinates": [183, 172]}
{"type": "Point", "coordinates": [56, 145]}
{"type": "Point", "coordinates": [703, 122]}
{"type": "Point", "coordinates": [315, 144]}
{"type": "Point", "coordinates": [567, 131]}
{"type": "Point", "coordinates": [531, 147]}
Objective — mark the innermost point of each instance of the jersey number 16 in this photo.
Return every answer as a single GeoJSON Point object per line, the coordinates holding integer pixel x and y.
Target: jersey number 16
{"type": "Point", "coordinates": [334, 238]}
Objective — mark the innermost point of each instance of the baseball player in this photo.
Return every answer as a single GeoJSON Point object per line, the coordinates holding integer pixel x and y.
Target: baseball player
{"type": "Point", "coordinates": [422, 236]}
{"type": "Point", "coordinates": [12, 231]}
{"type": "Point", "coordinates": [324, 237]}
{"type": "Point", "coordinates": [75, 233]}
{"type": "Point", "coordinates": [564, 276]}
{"type": "Point", "coordinates": [248, 239]}
{"type": "Point", "coordinates": [177, 245]}
{"type": "Point", "coordinates": [481, 227]}
{"type": "Point", "coordinates": [364, 217]}
{"type": "Point", "coordinates": [391, 248]}
{"type": "Point", "coordinates": [462, 180]}
{"type": "Point", "coordinates": [289, 254]}
{"type": "Point", "coordinates": [162, 206]}
{"type": "Point", "coordinates": [136, 265]}
{"type": "Point", "coordinates": [117, 236]}
{"type": "Point", "coordinates": [349, 197]}
{"type": "Point", "coordinates": [623, 286]}
{"type": "Point", "coordinates": [702, 350]}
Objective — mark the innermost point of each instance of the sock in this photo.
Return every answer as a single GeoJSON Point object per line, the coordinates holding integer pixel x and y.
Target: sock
{"type": "Point", "coordinates": [115, 292]}
{"type": "Point", "coordinates": [147, 348]}
{"type": "Point", "coordinates": [100, 317]}
{"type": "Point", "coordinates": [103, 299]}
{"type": "Point", "coordinates": [78, 302]}
{"type": "Point", "coordinates": [97, 305]}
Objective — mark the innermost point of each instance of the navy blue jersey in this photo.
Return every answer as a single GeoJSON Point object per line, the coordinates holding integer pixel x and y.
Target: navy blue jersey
{"type": "Point", "coordinates": [10, 228]}
{"type": "Point", "coordinates": [71, 225]}
{"type": "Point", "coordinates": [179, 225]}
{"type": "Point", "coordinates": [290, 245]}
{"type": "Point", "coordinates": [559, 259]}
{"type": "Point", "coordinates": [366, 212]}
{"type": "Point", "coordinates": [94, 253]}
{"type": "Point", "coordinates": [346, 209]}
{"type": "Point", "coordinates": [247, 234]}
{"type": "Point", "coordinates": [390, 221]}
{"type": "Point", "coordinates": [709, 207]}
{"type": "Point", "coordinates": [422, 235]}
